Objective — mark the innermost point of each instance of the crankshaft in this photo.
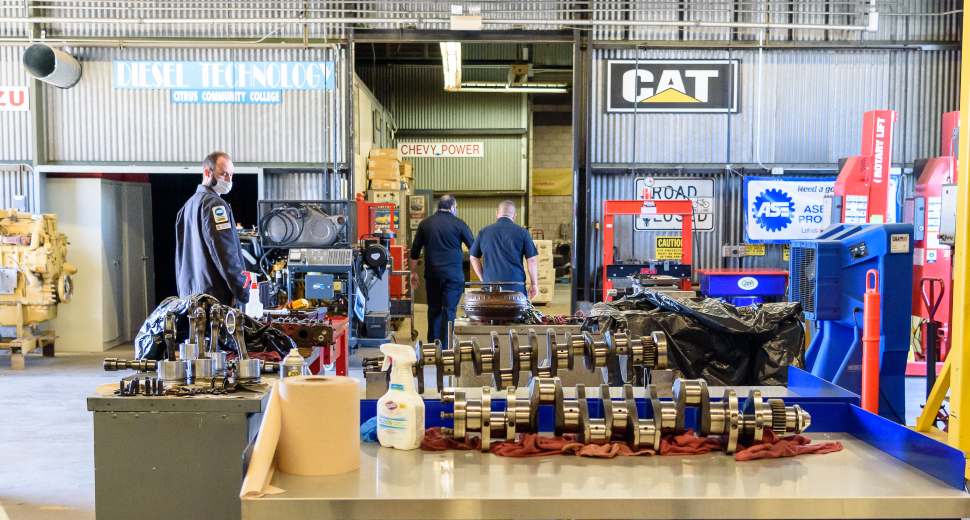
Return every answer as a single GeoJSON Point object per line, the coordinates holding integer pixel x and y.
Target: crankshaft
{"type": "Point", "coordinates": [728, 419]}
{"type": "Point", "coordinates": [639, 355]}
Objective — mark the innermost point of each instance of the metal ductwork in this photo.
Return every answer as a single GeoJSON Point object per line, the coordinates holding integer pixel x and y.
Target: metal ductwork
{"type": "Point", "coordinates": [52, 66]}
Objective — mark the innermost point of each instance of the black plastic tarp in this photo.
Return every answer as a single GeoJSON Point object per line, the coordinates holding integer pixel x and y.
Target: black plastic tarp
{"type": "Point", "coordinates": [712, 340]}
{"type": "Point", "coordinates": [150, 341]}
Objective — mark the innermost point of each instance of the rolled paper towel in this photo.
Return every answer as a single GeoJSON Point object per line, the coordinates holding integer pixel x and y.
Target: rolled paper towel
{"type": "Point", "coordinates": [320, 425]}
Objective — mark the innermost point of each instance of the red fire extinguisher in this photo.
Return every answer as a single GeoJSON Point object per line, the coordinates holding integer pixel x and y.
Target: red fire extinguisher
{"type": "Point", "coordinates": [871, 311]}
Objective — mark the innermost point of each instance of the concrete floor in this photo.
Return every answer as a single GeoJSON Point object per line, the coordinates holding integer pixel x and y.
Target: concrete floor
{"type": "Point", "coordinates": [47, 463]}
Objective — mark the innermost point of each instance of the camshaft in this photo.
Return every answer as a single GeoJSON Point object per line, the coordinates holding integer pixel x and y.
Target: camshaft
{"type": "Point", "coordinates": [619, 420]}
{"type": "Point", "coordinates": [642, 353]}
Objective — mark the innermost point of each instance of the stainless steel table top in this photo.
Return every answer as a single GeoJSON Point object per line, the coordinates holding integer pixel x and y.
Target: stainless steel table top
{"type": "Point", "coordinates": [858, 482]}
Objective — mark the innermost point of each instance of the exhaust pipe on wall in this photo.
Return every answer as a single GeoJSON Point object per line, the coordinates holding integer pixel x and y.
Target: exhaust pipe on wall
{"type": "Point", "coordinates": [52, 66]}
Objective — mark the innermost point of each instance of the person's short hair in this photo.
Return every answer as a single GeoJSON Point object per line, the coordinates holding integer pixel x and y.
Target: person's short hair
{"type": "Point", "coordinates": [446, 202]}
{"type": "Point", "coordinates": [507, 207]}
{"type": "Point", "coordinates": [209, 163]}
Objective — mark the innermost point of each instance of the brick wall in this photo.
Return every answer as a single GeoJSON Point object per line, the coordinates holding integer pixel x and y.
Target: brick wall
{"type": "Point", "coordinates": [553, 148]}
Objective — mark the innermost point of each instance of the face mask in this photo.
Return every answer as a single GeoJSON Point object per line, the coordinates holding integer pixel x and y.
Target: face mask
{"type": "Point", "coordinates": [222, 187]}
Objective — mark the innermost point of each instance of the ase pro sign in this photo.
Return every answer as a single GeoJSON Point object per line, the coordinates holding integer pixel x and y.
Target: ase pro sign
{"type": "Point", "coordinates": [781, 210]}
{"type": "Point", "coordinates": [457, 149]}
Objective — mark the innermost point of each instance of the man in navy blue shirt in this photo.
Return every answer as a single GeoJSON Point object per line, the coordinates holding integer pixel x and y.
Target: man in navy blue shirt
{"type": "Point", "coordinates": [441, 235]}
{"type": "Point", "coordinates": [503, 244]}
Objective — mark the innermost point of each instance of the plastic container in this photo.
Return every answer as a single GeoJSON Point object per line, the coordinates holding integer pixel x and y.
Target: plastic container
{"type": "Point", "coordinates": [254, 308]}
{"type": "Point", "coordinates": [400, 413]}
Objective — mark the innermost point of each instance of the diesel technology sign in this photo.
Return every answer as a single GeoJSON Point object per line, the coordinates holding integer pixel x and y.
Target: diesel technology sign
{"type": "Point", "coordinates": [696, 86]}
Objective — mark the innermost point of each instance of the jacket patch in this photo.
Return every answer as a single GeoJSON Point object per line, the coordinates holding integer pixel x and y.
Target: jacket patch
{"type": "Point", "coordinates": [220, 227]}
{"type": "Point", "coordinates": [219, 212]}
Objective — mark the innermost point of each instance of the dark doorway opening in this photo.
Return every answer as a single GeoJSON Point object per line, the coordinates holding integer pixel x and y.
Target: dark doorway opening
{"type": "Point", "coordinates": [169, 193]}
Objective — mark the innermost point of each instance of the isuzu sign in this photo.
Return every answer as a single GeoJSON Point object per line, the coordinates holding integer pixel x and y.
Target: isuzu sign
{"type": "Point", "coordinates": [672, 86]}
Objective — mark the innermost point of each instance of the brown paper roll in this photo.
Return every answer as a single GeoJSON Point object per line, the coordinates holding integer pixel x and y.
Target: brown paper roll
{"type": "Point", "coordinates": [320, 428]}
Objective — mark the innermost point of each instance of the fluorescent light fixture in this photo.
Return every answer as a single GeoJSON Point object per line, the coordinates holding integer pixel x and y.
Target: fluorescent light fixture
{"type": "Point", "coordinates": [451, 61]}
{"type": "Point", "coordinates": [544, 88]}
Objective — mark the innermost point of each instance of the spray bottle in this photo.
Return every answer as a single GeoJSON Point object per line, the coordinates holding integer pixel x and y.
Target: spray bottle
{"type": "Point", "coordinates": [400, 413]}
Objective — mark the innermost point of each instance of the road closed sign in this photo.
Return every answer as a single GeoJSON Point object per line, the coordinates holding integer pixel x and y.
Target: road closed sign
{"type": "Point", "coordinates": [14, 99]}
{"type": "Point", "coordinates": [699, 191]}
{"type": "Point", "coordinates": [457, 149]}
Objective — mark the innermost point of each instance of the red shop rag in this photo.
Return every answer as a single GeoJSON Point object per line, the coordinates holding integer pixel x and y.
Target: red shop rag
{"type": "Point", "coordinates": [532, 445]}
{"type": "Point", "coordinates": [687, 444]}
{"type": "Point", "coordinates": [774, 447]}
{"type": "Point", "coordinates": [433, 441]}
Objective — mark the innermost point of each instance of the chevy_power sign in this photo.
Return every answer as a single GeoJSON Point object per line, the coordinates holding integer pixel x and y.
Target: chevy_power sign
{"type": "Point", "coordinates": [456, 149]}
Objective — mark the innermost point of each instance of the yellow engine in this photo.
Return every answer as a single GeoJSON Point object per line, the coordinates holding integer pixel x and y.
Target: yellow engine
{"type": "Point", "coordinates": [34, 273]}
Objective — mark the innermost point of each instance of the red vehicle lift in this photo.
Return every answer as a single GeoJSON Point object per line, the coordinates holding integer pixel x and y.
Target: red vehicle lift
{"type": "Point", "coordinates": [647, 207]}
{"type": "Point", "coordinates": [931, 259]}
{"type": "Point", "coordinates": [862, 188]}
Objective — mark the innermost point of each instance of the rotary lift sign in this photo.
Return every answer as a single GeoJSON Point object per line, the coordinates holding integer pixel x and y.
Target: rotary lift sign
{"type": "Point", "coordinates": [699, 191]}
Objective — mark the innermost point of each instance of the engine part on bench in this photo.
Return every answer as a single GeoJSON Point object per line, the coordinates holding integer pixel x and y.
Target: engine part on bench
{"type": "Point", "coordinates": [141, 365]}
{"type": "Point", "coordinates": [173, 372]}
{"type": "Point", "coordinates": [217, 321]}
{"type": "Point", "coordinates": [493, 305]}
{"type": "Point", "coordinates": [219, 363]}
{"type": "Point", "coordinates": [247, 370]}
{"type": "Point", "coordinates": [234, 326]}
{"type": "Point", "coordinates": [271, 367]}
{"type": "Point", "coordinates": [619, 419]}
{"type": "Point", "coordinates": [202, 371]}
{"type": "Point", "coordinates": [196, 316]}
{"type": "Point", "coordinates": [306, 333]}
{"type": "Point", "coordinates": [169, 334]}
{"type": "Point", "coordinates": [188, 351]}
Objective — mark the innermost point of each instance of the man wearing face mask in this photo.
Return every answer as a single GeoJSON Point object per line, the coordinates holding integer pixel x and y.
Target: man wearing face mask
{"type": "Point", "coordinates": [441, 236]}
{"type": "Point", "coordinates": [208, 255]}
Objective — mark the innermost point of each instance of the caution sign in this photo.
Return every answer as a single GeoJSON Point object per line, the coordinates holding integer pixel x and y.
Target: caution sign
{"type": "Point", "coordinates": [754, 250]}
{"type": "Point", "coordinates": [785, 254]}
{"type": "Point", "coordinates": [668, 248]}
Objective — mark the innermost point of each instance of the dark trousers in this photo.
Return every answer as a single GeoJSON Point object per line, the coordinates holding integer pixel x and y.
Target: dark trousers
{"type": "Point", "coordinates": [444, 288]}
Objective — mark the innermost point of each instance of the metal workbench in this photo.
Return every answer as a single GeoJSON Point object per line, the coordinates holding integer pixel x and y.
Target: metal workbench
{"type": "Point", "coordinates": [396, 484]}
{"type": "Point", "coordinates": [172, 457]}
{"type": "Point", "coordinates": [885, 471]}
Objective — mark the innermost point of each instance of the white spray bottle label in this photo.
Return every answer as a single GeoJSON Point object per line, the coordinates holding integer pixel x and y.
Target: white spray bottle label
{"type": "Point", "coordinates": [400, 413]}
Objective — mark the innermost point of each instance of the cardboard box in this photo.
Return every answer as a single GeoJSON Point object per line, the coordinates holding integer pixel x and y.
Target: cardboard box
{"type": "Point", "coordinates": [382, 184]}
{"type": "Point", "coordinates": [546, 292]}
{"type": "Point", "coordinates": [384, 163]}
{"type": "Point", "coordinates": [407, 168]}
{"type": "Point", "coordinates": [547, 276]}
{"type": "Point", "coordinates": [388, 153]}
{"type": "Point", "coordinates": [386, 175]}
{"type": "Point", "coordinates": [544, 247]}
{"type": "Point", "coordinates": [545, 262]}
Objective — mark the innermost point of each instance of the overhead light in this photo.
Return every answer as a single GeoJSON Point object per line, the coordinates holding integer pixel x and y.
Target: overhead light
{"type": "Point", "coordinates": [543, 88]}
{"type": "Point", "coordinates": [451, 61]}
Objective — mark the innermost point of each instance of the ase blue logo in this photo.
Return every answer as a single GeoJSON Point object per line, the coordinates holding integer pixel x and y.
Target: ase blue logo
{"type": "Point", "coordinates": [773, 210]}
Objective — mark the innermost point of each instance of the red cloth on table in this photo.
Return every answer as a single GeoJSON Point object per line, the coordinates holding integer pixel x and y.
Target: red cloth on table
{"type": "Point", "coordinates": [687, 444]}
{"type": "Point", "coordinates": [774, 447]}
{"type": "Point", "coordinates": [433, 441]}
{"type": "Point", "coordinates": [532, 445]}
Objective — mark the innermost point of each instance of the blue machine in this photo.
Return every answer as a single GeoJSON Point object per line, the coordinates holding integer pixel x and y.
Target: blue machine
{"type": "Point", "coordinates": [828, 279]}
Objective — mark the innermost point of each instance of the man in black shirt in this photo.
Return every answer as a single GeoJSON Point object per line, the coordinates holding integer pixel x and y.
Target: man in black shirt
{"type": "Point", "coordinates": [504, 244]}
{"type": "Point", "coordinates": [441, 236]}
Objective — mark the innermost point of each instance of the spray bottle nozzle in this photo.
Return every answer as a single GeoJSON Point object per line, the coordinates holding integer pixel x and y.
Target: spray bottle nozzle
{"type": "Point", "coordinates": [387, 363]}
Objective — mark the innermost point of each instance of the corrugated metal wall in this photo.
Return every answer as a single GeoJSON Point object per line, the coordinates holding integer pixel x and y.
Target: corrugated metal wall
{"type": "Point", "coordinates": [811, 113]}
{"type": "Point", "coordinates": [479, 212]}
{"type": "Point", "coordinates": [501, 168]}
{"type": "Point", "coordinates": [16, 142]}
{"type": "Point", "coordinates": [19, 181]}
{"type": "Point", "coordinates": [811, 108]}
{"type": "Point", "coordinates": [298, 185]}
{"type": "Point", "coordinates": [418, 99]}
{"type": "Point", "coordinates": [95, 122]}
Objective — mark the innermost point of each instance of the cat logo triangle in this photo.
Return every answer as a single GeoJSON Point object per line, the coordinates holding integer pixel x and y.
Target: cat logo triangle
{"type": "Point", "coordinates": [670, 96]}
